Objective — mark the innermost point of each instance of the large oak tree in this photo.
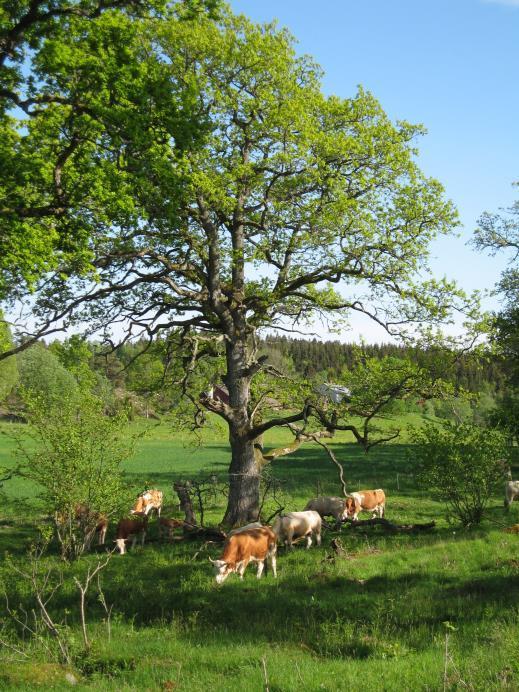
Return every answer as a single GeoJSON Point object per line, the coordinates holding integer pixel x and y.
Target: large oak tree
{"type": "Point", "coordinates": [287, 205]}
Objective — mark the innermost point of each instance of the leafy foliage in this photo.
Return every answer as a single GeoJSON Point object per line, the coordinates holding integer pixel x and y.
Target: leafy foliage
{"type": "Point", "coordinates": [72, 74]}
{"type": "Point", "coordinates": [461, 465]}
{"type": "Point", "coordinates": [212, 188]}
{"type": "Point", "coordinates": [76, 463]}
{"type": "Point", "coordinates": [42, 375]}
{"type": "Point", "coordinates": [500, 233]}
{"type": "Point", "coordinates": [8, 367]}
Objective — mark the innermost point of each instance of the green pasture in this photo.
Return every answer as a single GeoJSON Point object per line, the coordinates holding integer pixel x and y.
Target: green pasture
{"type": "Point", "coordinates": [411, 611]}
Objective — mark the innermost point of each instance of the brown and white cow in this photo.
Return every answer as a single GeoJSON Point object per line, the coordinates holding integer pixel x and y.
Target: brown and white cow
{"type": "Point", "coordinates": [147, 501]}
{"type": "Point", "coordinates": [131, 529]}
{"type": "Point", "coordinates": [297, 525]}
{"type": "Point", "coordinates": [373, 501]}
{"type": "Point", "coordinates": [511, 492]}
{"type": "Point", "coordinates": [251, 545]}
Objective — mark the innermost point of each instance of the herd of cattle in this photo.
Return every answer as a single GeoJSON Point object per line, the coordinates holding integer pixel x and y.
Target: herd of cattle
{"type": "Point", "coordinates": [255, 542]}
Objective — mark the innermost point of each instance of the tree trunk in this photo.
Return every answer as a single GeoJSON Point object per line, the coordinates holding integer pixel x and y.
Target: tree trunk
{"type": "Point", "coordinates": [182, 490]}
{"type": "Point", "coordinates": [244, 479]}
{"type": "Point", "coordinates": [244, 483]}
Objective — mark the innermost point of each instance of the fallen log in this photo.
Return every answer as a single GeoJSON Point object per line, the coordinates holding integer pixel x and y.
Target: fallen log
{"type": "Point", "coordinates": [390, 526]}
{"type": "Point", "coordinates": [193, 531]}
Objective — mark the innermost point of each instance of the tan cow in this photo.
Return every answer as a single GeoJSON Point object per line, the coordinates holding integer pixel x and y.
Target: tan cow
{"type": "Point", "coordinates": [329, 507]}
{"type": "Point", "coordinates": [256, 545]}
{"type": "Point", "coordinates": [131, 528]}
{"type": "Point", "coordinates": [147, 501]}
{"type": "Point", "coordinates": [373, 501]}
{"type": "Point", "coordinates": [296, 525]}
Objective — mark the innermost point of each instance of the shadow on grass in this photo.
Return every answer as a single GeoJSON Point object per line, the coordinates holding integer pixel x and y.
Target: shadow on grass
{"type": "Point", "coordinates": [310, 603]}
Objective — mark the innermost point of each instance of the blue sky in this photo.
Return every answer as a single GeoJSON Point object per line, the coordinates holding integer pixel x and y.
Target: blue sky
{"type": "Point", "coordinates": [452, 65]}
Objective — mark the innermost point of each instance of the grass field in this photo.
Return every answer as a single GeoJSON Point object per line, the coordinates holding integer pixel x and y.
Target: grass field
{"type": "Point", "coordinates": [430, 611]}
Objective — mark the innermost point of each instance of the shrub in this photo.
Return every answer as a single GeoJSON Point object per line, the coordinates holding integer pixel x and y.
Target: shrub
{"type": "Point", "coordinates": [76, 460]}
{"type": "Point", "coordinates": [461, 464]}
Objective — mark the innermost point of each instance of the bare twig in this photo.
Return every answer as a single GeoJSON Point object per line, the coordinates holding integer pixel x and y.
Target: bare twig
{"type": "Point", "coordinates": [83, 589]}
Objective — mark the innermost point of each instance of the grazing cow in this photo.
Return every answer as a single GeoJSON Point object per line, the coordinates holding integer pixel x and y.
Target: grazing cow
{"type": "Point", "coordinates": [373, 501]}
{"type": "Point", "coordinates": [167, 526]}
{"type": "Point", "coordinates": [296, 525]}
{"type": "Point", "coordinates": [131, 528]}
{"type": "Point", "coordinates": [257, 545]}
{"type": "Point", "coordinates": [511, 492]}
{"type": "Point", "coordinates": [147, 501]}
{"type": "Point", "coordinates": [329, 507]}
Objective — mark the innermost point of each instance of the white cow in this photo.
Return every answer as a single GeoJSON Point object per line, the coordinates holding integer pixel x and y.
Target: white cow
{"type": "Point", "coordinates": [297, 524]}
{"type": "Point", "coordinates": [511, 492]}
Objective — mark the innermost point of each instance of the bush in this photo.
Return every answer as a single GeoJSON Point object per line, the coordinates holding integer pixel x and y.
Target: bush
{"type": "Point", "coordinates": [461, 464]}
{"type": "Point", "coordinates": [77, 464]}
{"type": "Point", "coordinates": [44, 377]}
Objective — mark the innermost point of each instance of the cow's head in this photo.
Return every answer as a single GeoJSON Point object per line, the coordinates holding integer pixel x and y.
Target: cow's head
{"type": "Point", "coordinates": [222, 570]}
{"type": "Point", "coordinates": [344, 513]}
{"type": "Point", "coordinates": [120, 544]}
{"type": "Point", "coordinates": [350, 507]}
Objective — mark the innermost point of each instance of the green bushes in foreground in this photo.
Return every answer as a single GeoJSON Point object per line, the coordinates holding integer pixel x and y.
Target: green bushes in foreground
{"type": "Point", "coordinates": [462, 465]}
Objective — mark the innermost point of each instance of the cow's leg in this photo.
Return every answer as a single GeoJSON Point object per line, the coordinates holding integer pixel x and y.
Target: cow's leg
{"type": "Point", "coordinates": [89, 535]}
{"type": "Point", "coordinates": [102, 535]}
{"type": "Point", "coordinates": [261, 565]}
{"type": "Point", "coordinates": [290, 536]}
{"type": "Point", "coordinates": [318, 537]}
{"type": "Point", "coordinates": [241, 567]}
{"type": "Point", "coordinates": [308, 540]}
{"type": "Point", "coordinates": [143, 536]}
{"type": "Point", "coordinates": [134, 540]}
{"type": "Point", "coordinates": [273, 564]}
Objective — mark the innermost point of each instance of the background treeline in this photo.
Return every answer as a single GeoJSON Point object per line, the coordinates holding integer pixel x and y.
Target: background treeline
{"type": "Point", "coordinates": [311, 357]}
{"type": "Point", "coordinates": [138, 374]}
